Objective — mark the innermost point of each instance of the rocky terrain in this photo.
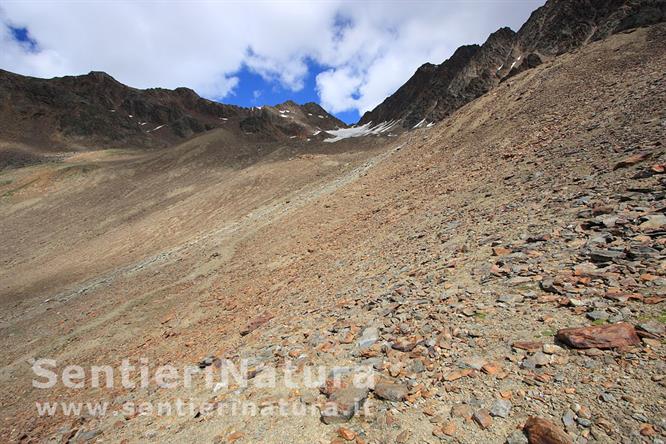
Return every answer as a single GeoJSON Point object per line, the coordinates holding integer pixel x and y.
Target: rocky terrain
{"type": "Point", "coordinates": [95, 111]}
{"type": "Point", "coordinates": [560, 26]}
{"type": "Point", "coordinates": [502, 271]}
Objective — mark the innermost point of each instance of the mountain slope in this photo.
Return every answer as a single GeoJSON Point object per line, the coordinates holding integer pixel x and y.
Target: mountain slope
{"type": "Point", "coordinates": [559, 26]}
{"type": "Point", "coordinates": [446, 259]}
{"type": "Point", "coordinates": [95, 111]}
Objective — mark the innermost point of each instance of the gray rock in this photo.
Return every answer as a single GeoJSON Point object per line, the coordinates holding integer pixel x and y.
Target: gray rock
{"type": "Point", "coordinates": [599, 255]}
{"type": "Point", "coordinates": [343, 404]}
{"type": "Point", "coordinates": [583, 422]}
{"type": "Point", "coordinates": [652, 327]}
{"type": "Point", "coordinates": [501, 408]}
{"type": "Point", "coordinates": [642, 252]}
{"type": "Point", "coordinates": [569, 418]}
{"type": "Point", "coordinates": [597, 315]}
{"type": "Point", "coordinates": [474, 362]}
{"type": "Point", "coordinates": [541, 359]}
{"type": "Point", "coordinates": [417, 366]}
{"type": "Point", "coordinates": [368, 338]}
{"type": "Point", "coordinates": [517, 437]}
{"type": "Point", "coordinates": [607, 397]}
{"type": "Point", "coordinates": [548, 286]}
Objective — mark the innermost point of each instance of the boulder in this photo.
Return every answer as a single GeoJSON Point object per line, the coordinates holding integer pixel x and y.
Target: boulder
{"type": "Point", "coordinates": [608, 336]}
{"type": "Point", "coordinates": [542, 431]}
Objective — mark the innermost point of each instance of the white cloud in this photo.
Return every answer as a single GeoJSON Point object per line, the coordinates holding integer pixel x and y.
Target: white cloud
{"type": "Point", "coordinates": [368, 49]}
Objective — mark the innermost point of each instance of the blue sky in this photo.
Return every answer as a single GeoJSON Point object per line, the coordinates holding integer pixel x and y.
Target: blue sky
{"type": "Point", "coordinates": [254, 90]}
{"type": "Point", "coordinates": [348, 56]}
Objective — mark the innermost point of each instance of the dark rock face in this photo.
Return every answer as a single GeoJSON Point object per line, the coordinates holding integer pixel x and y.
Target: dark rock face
{"type": "Point", "coordinates": [96, 111]}
{"type": "Point", "coordinates": [435, 91]}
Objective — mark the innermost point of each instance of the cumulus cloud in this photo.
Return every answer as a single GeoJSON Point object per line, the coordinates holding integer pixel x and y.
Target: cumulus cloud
{"type": "Point", "coordinates": [366, 49]}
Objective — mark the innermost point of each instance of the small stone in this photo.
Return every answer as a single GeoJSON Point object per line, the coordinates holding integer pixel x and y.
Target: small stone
{"type": "Point", "coordinates": [391, 391]}
{"type": "Point", "coordinates": [541, 359]}
{"type": "Point", "coordinates": [404, 345]}
{"type": "Point", "coordinates": [449, 428]}
{"type": "Point", "coordinates": [501, 408]}
{"type": "Point", "coordinates": [457, 374]}
{"type": "Point", "coordinates": [235, 436]}
{"type": "Point", "coordinates": [501, 251]}
{"type": "Point", "coordinates": [482, 418]}
{"type": "Point", "coordinates": [607, 397]}
{"type": "Point", "coordinates": [569, 418]}
{"type": "Point", "coordinates": [603, 256]}
{"type": "Point", "coordinates": [652, 327]}
{"type": "Point", "coordinates": [256, 323]}
{"type": "Point", "coordinates": [552, 349]}
{"type": "Point", "coordinates": [346, 434]}
{"type": "Point", "coordinates": [517, 437]}
{"type": "Point", "coordinates": [598, 315]}
{"type": "Point", "coordinates": [368, 338]}
{"type": "Point", "coordinates": [542, 431]}
{"type": "Point", "coordinates": [475, 362]}
{"type": "Point", "coordinates": [653, 222]}
{"type": "Point", "coordinates": [583, 422]}
{"type": "Point", "coordinates": [631, 160]}
{"type": "Point", "coordinates": [461, 411]}
{"type": "Point", "coordinates": [417, 366]}
{"type": "Point", "coordinates": [403, 437]}
{"type": "Point", "coordinates": [647, 430]}
{"type": "Point", "coordinates": [342, 404]}
{"type": "Point", "coordinates": [491, 368]}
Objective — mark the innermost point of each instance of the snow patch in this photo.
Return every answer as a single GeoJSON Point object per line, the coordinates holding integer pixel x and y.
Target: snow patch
{"type": "Point", "coordinates": [155, 129]}
{"type": "Point", "coordinates": [359, 131]}
{"type": "Point", "coordinates": [418, 125]}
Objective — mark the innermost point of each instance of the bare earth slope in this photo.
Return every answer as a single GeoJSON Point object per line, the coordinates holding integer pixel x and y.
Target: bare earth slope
{"type": "Point", "coordinates": [537, 207]}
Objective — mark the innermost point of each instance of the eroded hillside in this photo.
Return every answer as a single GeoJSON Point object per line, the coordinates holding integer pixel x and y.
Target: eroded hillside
{"type": "Point", "coordinates": [447, 259]}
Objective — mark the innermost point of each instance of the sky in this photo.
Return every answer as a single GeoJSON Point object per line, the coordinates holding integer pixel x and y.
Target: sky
{"type": "Point", "coordinates": [348, 56]}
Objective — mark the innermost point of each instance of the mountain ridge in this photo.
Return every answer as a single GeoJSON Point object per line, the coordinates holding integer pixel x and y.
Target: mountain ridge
{"type": "Point", "coordinates": [96, 110]}
{"type": "Point", "coordinates": [557, 27]}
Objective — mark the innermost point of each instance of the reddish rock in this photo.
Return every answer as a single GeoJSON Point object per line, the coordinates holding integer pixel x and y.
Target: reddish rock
{"type": "Point", "coordinates": [449, 428]}
{"type": "Point", "coordinates": [600, 336]}
{"type": "Point", "coordinates": [631, 160]}
{"type": "Point", "coordinates": [659, 168]}
{"type": "Point", "coordinates": [501, 251]}
{"type": "Point", "coordinates": [483, 419]}
{"type": "Point", "coordinates": [542, 431]}
{"type": "Point", "coordinates": [457, 374]}
{"type": "Point", "coordinates": [391, 391]}
{"type": "Point", "coordinates": [256, 323]}
{"type": "Point", "coordinates": [346, 434]}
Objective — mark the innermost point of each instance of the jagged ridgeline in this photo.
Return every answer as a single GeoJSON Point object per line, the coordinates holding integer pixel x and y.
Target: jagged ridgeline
{"type": "Point", "coordinates": [435, 91]}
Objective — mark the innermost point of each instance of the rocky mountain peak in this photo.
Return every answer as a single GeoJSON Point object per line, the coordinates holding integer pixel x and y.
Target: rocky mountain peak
{"type": "Point", "coordinates": [435, 91]}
